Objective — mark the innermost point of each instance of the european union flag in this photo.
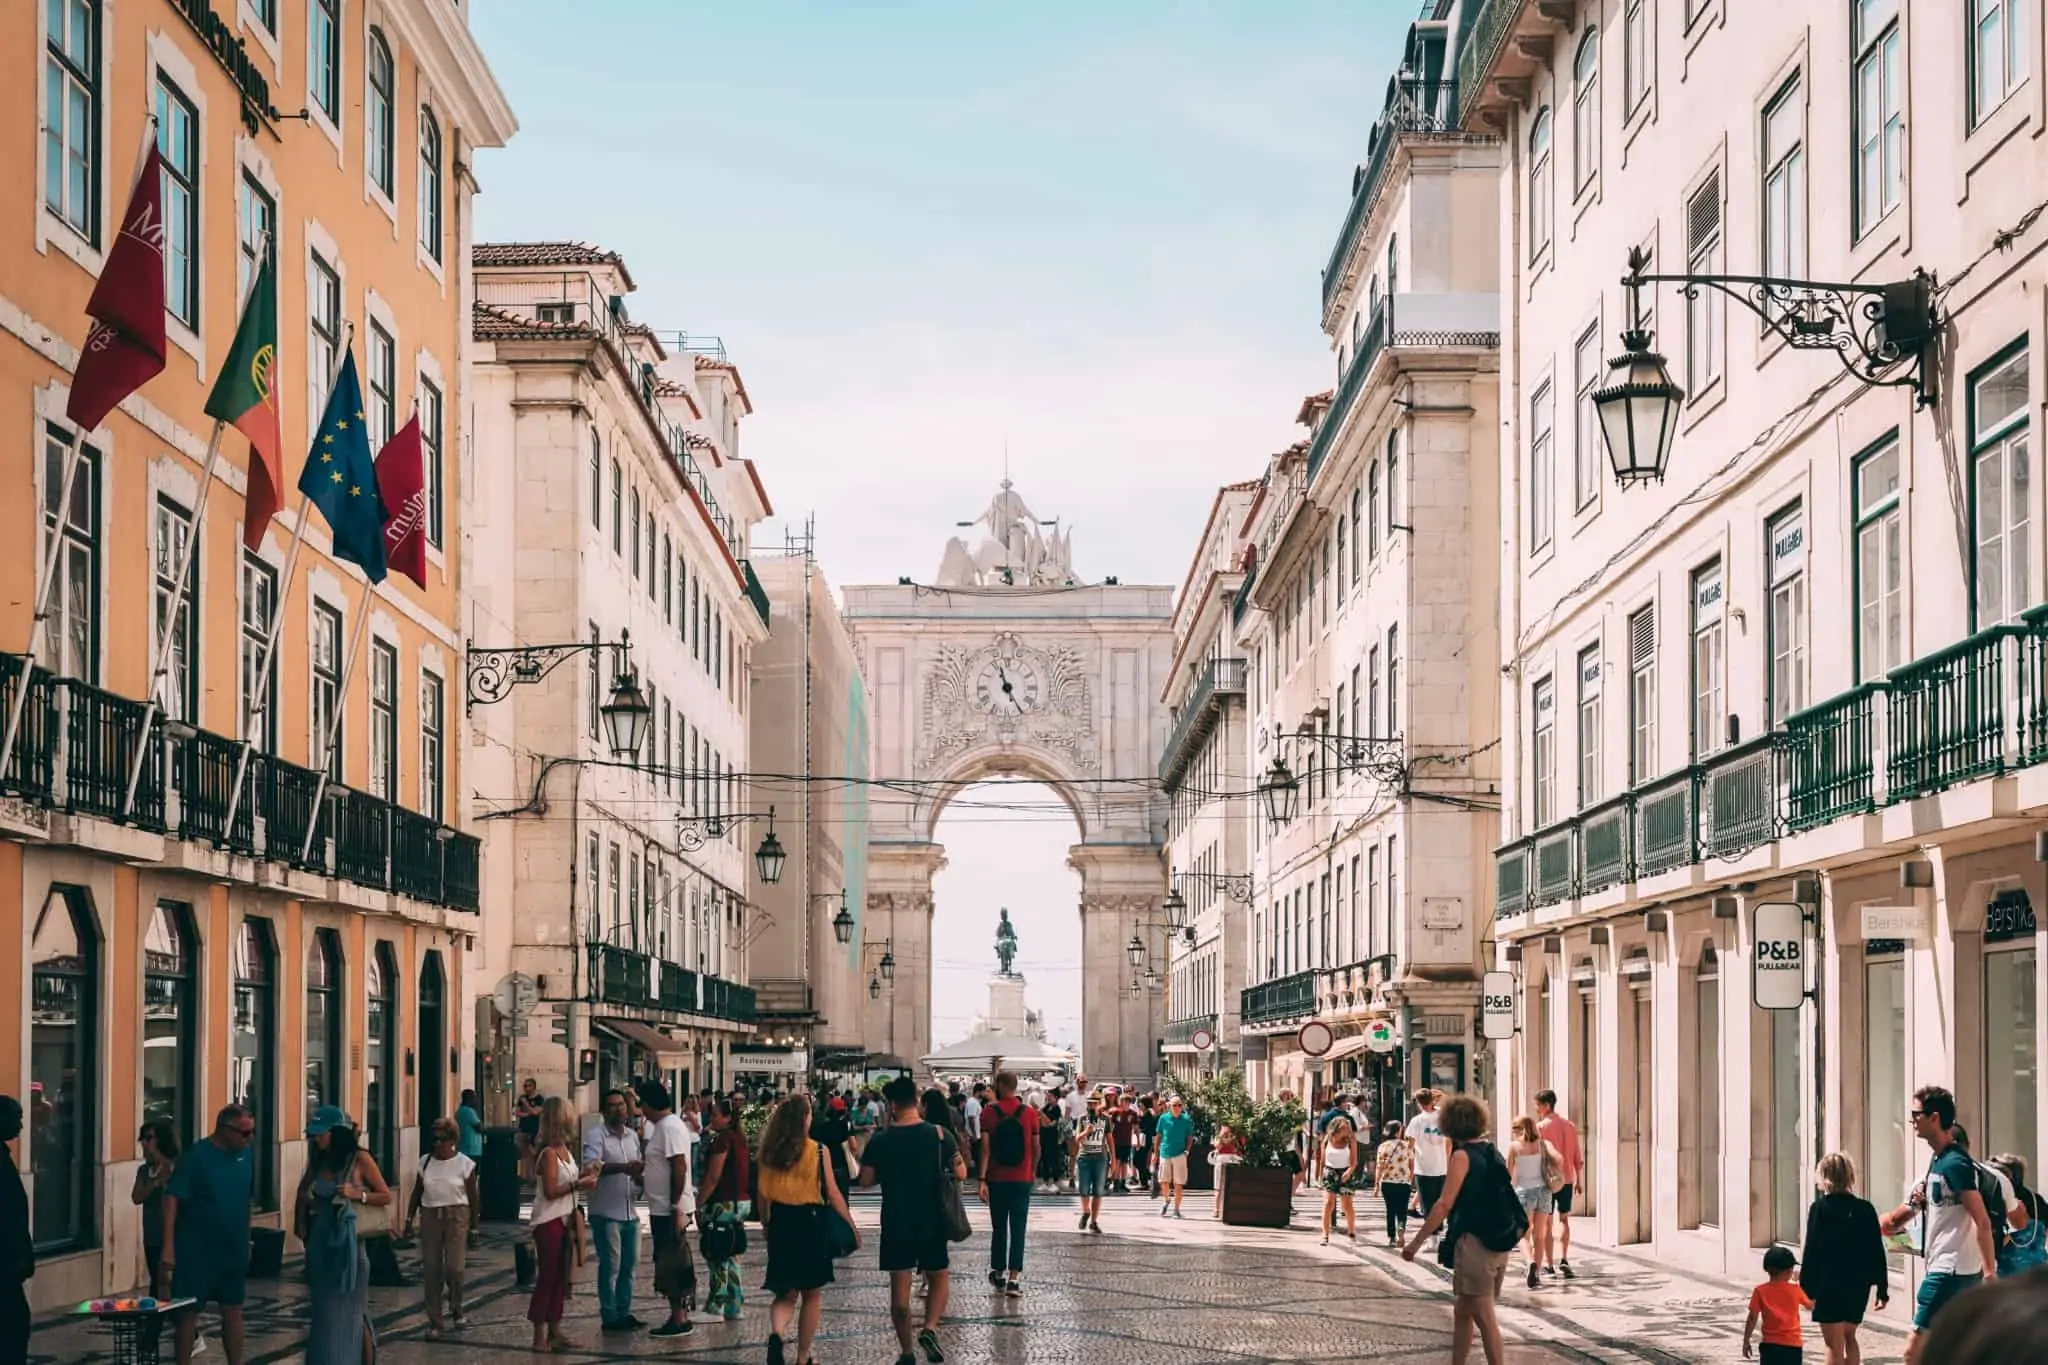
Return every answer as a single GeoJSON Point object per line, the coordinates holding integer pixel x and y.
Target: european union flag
{"type": "Point", "coordinates": [341, 479]}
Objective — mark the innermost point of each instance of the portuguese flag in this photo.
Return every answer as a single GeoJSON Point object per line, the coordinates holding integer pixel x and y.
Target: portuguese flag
{"type": "Point", "coordinates": [245, 396]}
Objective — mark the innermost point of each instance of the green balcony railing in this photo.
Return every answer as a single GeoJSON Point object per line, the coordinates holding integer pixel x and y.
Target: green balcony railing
{"type": "Point", "coordinates": [1665, 831]}
{"type": "Point", "coordinates": [2033, 687]}
{"type": "Point", "coordinates": [1738, 799]}
{"type": "Point", "coordinates": [1485, 33]}
{"type": "Point", "coordinates": [1369, 347]}
{"type": "Point", "coordinates": [620, 976]}
{"type": "Point", "coordinates": [1553, 866]}
{"type": "Point", "coordinates": [756, 594]}
{"type": "Point", "coordinates": [677, 989]}
{"type": "Point", "coordinates": [461, 871]}
{"type": "Point", "coordinates": [1181, 1032]}
{"type": "Point", "coordinates": [1242, 602]}
{"type": "Point", "coordinates": [1604, 845]}
{"type": "Point", "coordinates": [1830, 759]}
{"type": "Point", "coordinates": [1219, 677]}
{"type": "Point", "coordinates": [1512, 865]}
{"type": "Point", "coordinates": [1946, 717]}
{"type": "Point", "coordinates": [1279, 1000]}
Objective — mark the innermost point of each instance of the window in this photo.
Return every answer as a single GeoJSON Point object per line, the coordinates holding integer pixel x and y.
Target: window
{"type": "Point", "coordinates": [1393, 483]}
{"type": "Point", "coordinates": [2012, 1058]}
{"type": "Point", "coordinates": [1880, 564]}
{"type": "Point", "coordinates": [259, 607]}
{"type": "Point", "coordinates": [618, 508]}
{"type": "Point", "coordinates": [380, 153]}
{"type": "Point", "coordinates": [633, 502]}
{"type": "Point", "coordinates": [177, 144]}
{"type": "Point", "coordinates": [1543, 754]}
{"type": "Point", "coordinates": [1356, 697]}
{"type": "Point", "coordinates": [256, 219]}
{"type": "Point", "coordinates": [327, 724]}
{"type": "Point", "coordinates": [1998, 53]}
{"type": "Point", "coordinates": [2001, 494]}
{"type": "Point", "coordinates": [170, 1018]}
{"type": "Point", "coordinates": [380, 1055]}
{"type": "Point", "coordinates": [383, 720]}
{"type": "Point", "coordinates": [650, 555]}
{"type": "Point", "coordinates": [433, 728]}
{"type": "Point", "coordinates": [1372, 685]}
{"type": "Point", "coordinates": [1785, 625]}
{"type": "Point", "coordinates": [430, 183]}
{"type": "Point", "coordinates": [266, 14]}
{"type": "Point", "coordinates": [1372, 510]}
{"type": "Point", "coordinates": [1539, 183]}
{"type": "Point", "coordinates": [1876, 111]}
{"type": "Point", "coordinates": [1586, 368]}
{"type": "Point", "coordinates": [1642, 695]}
{"type": "Point", "coordinates": [1357, 534]}
{"type": "Point", "coordinates": [71, 115]}
{"type": "Point", "coordinates": [323, 317]}
{"type": "Point", "coordinates": [1709, 701]}
{"type": "Point", "coordinates": [596, 681]}
{"type": "Point", "coordinates": [1791, 1160]}
{"type": "Point", "coordinates": [1635, 55]}
{"type": "Point", "coordinates": [1784, 206]}
{"type": "Point", "coordinates": [63, 1110]}
{"type": "Point", "coordinates": [323, 1020]}
{"type": "Point", "coordinates": [176, 617]}
{"type": "Point", "coordinates": [1393, 888]}
{"type": "Point", "coordinates": [1542, 472]}
{"type": "Point", "coordinates": [596, 482]}
{"type": "Point", "coordinates": [430, 455]}
{"type": "Point", "coordinates": [1586, 109]}
{"type": "Point", "coordinates": [1885, 1138]}
{"type": "Point", "coordinates": [667, 581]}
{"type": "Point", "coordinates": [1704, 310]}
{"type": "Point", "coordinates": [618, 908]}
{"type": "Point", "coordinates": [1393, 680]}
{"type": "Point", "coordinates": [323, 56]}
{"type": "Point", "coordinates": [73, 642]}
{"type": "Point", "coordinates": [252, 1063]}
{"type": "Point", "coordinates": [1589, 726]}
{"type": "Point", "coordinates": [383, 385]}
{"type": "Point", "coordinates": [1706, 1078]}
{"type": "Point", "coordinates": [1343, 560]}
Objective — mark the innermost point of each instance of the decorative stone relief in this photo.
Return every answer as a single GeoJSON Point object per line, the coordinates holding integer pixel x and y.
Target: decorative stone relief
{"type": "Point", "coordinates": [1008, 692]}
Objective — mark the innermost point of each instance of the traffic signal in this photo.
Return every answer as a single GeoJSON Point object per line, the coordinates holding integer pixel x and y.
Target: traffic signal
{"type": "Point", "coordinates": [562, 1026]}
{"type": "Point", "coordinates": [586, 1065]}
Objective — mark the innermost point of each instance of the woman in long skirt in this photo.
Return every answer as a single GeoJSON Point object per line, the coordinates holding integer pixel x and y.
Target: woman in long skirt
{"type": "Point", "coordinates": [554, 1223]}
{"type": "Point", "coordinates": [340, 1179]}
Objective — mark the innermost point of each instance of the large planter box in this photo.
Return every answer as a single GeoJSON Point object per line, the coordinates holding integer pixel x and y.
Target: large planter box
{"type": "Point", "coordinates": [1257, 1197]}
{"type": "Point", "coordinates": [1201, 1175]}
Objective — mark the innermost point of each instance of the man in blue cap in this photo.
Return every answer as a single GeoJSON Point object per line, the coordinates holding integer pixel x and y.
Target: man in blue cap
{"type": "Point", "coordinates": [206, 1229]}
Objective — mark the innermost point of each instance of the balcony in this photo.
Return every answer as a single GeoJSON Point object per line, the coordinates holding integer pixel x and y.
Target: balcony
{"type": "Point", "coordinates": [1218, 679]}
{"type": "Point", "coordinates": [1242, 603]}
{"type": "Point", "coordinates": [1404, 321]}
{"type": "Point", "coordinates": [1966, 712]}
{"type": "Point", "coordinates": [1503, 43]}
{"type": "Point", "coordinates": [1279, 1001]}
{"type": "Point", "coordinates": [756, 594]}
{"type": "Point", "coordinates": [620, 976]}
{"type": "Point", "coordinates": [1180, 1033]}
{"type": "Point", "coordinates": [1418, 108]}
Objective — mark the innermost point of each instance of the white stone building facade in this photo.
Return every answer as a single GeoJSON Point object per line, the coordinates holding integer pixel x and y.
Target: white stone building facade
{"type": "Point", "coordinates": [1806, 668]}
{"type": "Point", "coordinates": [609, 499]}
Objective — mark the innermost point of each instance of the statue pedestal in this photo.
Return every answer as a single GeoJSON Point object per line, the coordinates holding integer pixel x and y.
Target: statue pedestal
{"type": "Point", "coordinates": [1006, 1010]}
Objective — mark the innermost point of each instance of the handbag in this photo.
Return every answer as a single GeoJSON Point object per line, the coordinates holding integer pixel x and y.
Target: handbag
{"type": "Point", "coordinates": [840, 1238]}
{"type": "Point", "coordinates": [952, 1208]}
{"type": "Point", "coordinates": [372, 1220]}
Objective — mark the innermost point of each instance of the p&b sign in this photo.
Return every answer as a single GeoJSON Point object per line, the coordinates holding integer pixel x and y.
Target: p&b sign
{"type": "Point", "coordinates": [1777, 965]}
{"type": "Point", "coordinates": [1497, 1006]}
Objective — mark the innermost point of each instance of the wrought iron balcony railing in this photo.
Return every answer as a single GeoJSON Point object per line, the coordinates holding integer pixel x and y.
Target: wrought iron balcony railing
{"type": "Point", "coordinates": [1417, 107]}
{"type": "Point", "coordinates": [1181, 1032]}
{"type": "Point", "coordinates": [756, 594]}
{"type": "Point", "coordinates": [620, 976]}
{"type": "Point", "coordinates": [1284, 998]}
{"type": "Point", "coordinates": [1218, 678]}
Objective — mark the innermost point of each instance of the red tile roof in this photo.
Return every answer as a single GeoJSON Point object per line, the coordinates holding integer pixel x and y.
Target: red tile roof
{"type": "Point", "coordinates": [709, 362]}
{"type": "Point", "coordinates": [527, 255]}
{"type": "Point", "coordinates": [495, 324]}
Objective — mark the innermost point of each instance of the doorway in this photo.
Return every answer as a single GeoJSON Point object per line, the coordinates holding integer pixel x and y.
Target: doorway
{"type": "Point", "coordinates": [1634, 1124]}
{"type": "Point", "coordinates": [433, 1047]}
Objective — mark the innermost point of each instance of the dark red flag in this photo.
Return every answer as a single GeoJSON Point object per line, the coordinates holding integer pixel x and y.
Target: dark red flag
{"type": "Point", "coordinates": [402, 487]}
{"type": "Point", "coordinates": [125, 347]}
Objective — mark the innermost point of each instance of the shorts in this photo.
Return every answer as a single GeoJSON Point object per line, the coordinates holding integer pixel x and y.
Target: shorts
{"type": "Point", "coordinates": [900, 1255]}
{"type": "Point", "coordinates": [1123, 1154]}
{"type": "Point", "coordinates": [1835, 1306]}
{"type": "Point", "coordinates": [210, 1282]}
{"type": "Point", "coordinates": [1937, 1287]}
{"type": "Point", "coordinates": [1173, 1170]}
{"type": "Point", "coordinates": [1778, 1353]}
{"type": "Point", "coordinates": [1093, 1174]}
{"type": "Point", "coordinates": [1475, 1271]}
{"type": "Point", "coordinates": [1561, 1199]}
{"type": "Point", "coordinates": [1536, 1201]}
{"type": "Point", "coordinates": [1338, 1182]}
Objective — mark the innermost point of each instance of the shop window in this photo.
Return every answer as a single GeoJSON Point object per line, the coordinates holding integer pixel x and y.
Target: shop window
{"type": "Point", "coordinates": [2012, 1059]}
{"type": "Point", "coordinates": [380, 1055]}
{"type": "Point", "coordinates": [63, 1092]}
{"type": "Point", "coordinates": [170, 1018]}
{"type": "Point", "coordinates": [323, 1020]}
{"type": "Point", "coordinates": [1886, 1141]}
{"type": "Point", "coordinates": [252, 1067]}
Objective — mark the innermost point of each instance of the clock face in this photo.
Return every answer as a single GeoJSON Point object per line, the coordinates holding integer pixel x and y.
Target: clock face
{"type": "Point", "coordinates": [1006, 687]}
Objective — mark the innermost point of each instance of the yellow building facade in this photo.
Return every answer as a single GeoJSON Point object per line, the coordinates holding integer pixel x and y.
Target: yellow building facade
{"type": "Point", "coordinates": [172, 960]}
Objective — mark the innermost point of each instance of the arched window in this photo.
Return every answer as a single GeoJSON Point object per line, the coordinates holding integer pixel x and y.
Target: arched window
{"type": "Point", "coordinates": [380, 1053]}
{"type": "Point", "coordinates": [170, 1037]}
{"type": "Point", "coordinates": [1539, 183]}
{"type": "Point", "coordinates": [430, 182]}
{"type": "Point", "coordinates": [252, 1075]}
{"type": "Point", "coordinates": [380, 153]}
{"type": "Point", "coordinates": [1586, 109]}
{"type": "Point", "coordinates": [323, 1020]}
{"type": "Point", "coordinates": [63, 1084]}
{"type": "Point", "coordinates": [433, 1045]}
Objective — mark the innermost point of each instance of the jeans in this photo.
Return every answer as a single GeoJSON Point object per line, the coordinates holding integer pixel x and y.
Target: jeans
{"type": "Point", "coordinates": [1396, 1199]}
{"type": "Point", "coordinates": [1432, 1187]}
{"type": "Point", "coordinates": [618, 1250]}
{"type": "Point", "coordinates": [1093, 1175]}
{"type": "Point", "coordinates": [444, 1250]}
{"type": "Point", "coordinates": [1009, 1207]}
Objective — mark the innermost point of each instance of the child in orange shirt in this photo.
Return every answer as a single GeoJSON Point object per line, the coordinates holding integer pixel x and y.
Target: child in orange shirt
{"type": "Point", "coordinates": [1777, 1302]}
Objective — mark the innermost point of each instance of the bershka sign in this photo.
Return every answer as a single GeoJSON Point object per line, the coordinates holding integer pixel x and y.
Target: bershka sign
{"type": "Point", "coordinates": [1497, 1006]}
{"type": "Point", "coordinates": [1778, 957]}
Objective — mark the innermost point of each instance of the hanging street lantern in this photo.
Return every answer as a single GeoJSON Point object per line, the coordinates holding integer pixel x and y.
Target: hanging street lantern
{"type": "Point", "coordinates": [842, 923]}
{"type": "Point", "coordinates": [769, 857]}
{"type": "Point", "coordinates": [1638, 411]}
{"type": "Point", "coordinates": [626, 716]}
{"type": "Point", "coordinates": [1176, 907]}
{"type": "Point", "coordinates": [1280, 790]}
{"type": "Point", "coordinates": [1135, 950]}
{"type": "Point", "coordinates": [888, 964]}
{"type": "Point", "coordinates": [874, 988]}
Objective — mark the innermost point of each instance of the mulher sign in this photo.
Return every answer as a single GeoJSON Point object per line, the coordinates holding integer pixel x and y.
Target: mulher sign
{"type": "Point", "coordinates": [232, 53]}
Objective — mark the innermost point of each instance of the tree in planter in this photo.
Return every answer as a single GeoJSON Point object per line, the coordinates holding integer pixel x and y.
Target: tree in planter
{"type": "Point", "coordinates": [1259, 1190]}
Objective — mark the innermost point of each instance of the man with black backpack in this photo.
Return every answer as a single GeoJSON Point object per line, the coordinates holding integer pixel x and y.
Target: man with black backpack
{"type": "Point", "coordinates": [1008, 1160]}
{"type": "Point", "coordinates": [1485, 1220]}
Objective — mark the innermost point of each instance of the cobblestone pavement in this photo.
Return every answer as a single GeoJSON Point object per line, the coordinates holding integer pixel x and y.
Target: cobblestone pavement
{"type": "Point", "coordinates": [1148, 1289]}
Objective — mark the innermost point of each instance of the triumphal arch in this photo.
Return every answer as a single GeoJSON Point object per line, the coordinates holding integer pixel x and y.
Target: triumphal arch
{"type": "Point", "coordinates": [1009, 665]}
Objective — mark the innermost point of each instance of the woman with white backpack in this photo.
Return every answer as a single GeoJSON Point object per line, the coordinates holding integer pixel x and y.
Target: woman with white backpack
{"type": "Point", "coordinates": [1539, 1170]}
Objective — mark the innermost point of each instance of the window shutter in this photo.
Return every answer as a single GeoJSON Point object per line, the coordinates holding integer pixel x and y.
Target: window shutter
{"type": "Point", "coordinates": [1642, 636]}
{"type": "Point", "coordinates": [1703, 215]}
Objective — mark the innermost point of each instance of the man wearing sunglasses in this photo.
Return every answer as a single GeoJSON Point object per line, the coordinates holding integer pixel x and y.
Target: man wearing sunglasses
{"type": "Point", "coordinates": [1956, 1237]}
{"type": "Point", "coordinates": [206, 1229]}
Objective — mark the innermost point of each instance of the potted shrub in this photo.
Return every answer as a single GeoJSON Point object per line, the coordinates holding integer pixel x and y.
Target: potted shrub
{"type": "Point", "coordinates": [1258, 1191]}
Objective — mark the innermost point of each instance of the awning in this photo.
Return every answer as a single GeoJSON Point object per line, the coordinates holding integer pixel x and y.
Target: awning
{"type": "Point", "coordinates": [669, 1054]}
{"type": "Point", "coordinates": [1345, 1047]}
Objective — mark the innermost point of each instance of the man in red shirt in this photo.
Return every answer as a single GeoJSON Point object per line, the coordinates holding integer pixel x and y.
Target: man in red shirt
{"type": "Point", "coordinates": [1559, 1131]}
{"type": "Point", "coordinates": [1009, 1157]}
{"type": "Point", "coordinates": [1123, 1127]}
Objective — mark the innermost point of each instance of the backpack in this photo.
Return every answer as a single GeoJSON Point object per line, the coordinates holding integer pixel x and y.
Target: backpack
{"type": "Point", "coordinates": [1007, 1145]}
{"type": "Point", "coordinates": [1488, 1206]}
{"type": "Point", "coordinates": [1994, 1205]}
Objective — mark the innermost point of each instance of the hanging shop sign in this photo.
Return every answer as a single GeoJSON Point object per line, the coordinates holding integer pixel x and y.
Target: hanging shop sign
{"type": "Point", "coordinates": [1382, 1035]}
{"type": "Point", "coordinates": [2009, 916]}
{"type": "Point", "coordinates": [1497, 1006]}
{"type": "Point", "coordinates": [1778, 958]}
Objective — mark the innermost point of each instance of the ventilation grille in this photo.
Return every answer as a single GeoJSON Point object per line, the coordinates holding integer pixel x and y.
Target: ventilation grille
{"type": "Point", "coordinates": [1642, 636]}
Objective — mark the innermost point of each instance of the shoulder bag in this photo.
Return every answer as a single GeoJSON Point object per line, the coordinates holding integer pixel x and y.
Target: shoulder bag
{"type": "Point", "coordinates": [1553, 1167]}
{"type": "Point", "coordinates": [840, 1238]}
{"type": "Point", "coordinates": [952, 1209]}
{"type": "Point", "coordinates": [372, 1220]}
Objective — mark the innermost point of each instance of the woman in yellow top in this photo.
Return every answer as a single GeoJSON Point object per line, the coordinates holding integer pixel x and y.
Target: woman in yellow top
{"type": "Point", "coordinates": [796, 1185]}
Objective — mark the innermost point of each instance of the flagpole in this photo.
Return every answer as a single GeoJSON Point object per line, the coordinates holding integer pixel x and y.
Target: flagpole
{"type": "Point", "coordinates": [348, 669]}
{"type": "Point", "coordinates": [259, 696]}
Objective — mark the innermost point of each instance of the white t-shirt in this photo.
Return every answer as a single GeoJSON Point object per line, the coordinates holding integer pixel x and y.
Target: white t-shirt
{"type": "Point", "coordinates": [445, 1184]}
{"type": "Point", "coordinates": [672, 1138]}
{"type": "Point", "coordinates": [1949, 1240]}
{"type": "Point", "coordinates": [1432, 1151]}
{"type": "Point", "coordinates": [973, 1115]}
{"type": "Point", "coordinates": [1074, 1105]}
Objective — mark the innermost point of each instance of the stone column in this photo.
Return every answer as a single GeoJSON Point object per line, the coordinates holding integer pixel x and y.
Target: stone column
{"type": "Point", "coordinates": [1122, 887]}
{"type": "Point", "coordinates": [899, 910]}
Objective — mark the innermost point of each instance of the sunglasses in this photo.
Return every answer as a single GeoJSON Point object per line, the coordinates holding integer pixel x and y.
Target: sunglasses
{"type": "Point", "coordinates": [244, 1133]}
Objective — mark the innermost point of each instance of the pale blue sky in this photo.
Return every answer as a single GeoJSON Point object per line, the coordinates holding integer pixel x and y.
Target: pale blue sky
{"type": "Point", "coordinates": [926, 229]}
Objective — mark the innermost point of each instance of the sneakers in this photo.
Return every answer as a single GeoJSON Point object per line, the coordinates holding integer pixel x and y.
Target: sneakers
{"type": "Point", "coordinates": [928, 1342]}
{"type": "Point", "coordinates": [674, 1329]}
{"type": "Point", "coordinates": [907, 1358]}
{"type": "Point", "coordinates": [774, 1349]}
{"type": "Point", "coordinates": [995, 1280]}
{"type": "Point", "coordinates": [1095, 1225]}
{"type": "Point", "coordinates": [1564, 1268]}
{"type": "Point", "coordinates": [1178, 1214]}
{"type": "Point", "coordinates": [1535, 1275]}
{"type": "Point", "coordinates": [1165, 1210]}
{"type": "Point", "coordinates": [1551, 1271]}
{"type": "Point", "coordinates": [1084, 1222]}
{"type": "Point", "coordinates": [1014, 1287]}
